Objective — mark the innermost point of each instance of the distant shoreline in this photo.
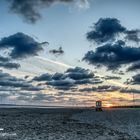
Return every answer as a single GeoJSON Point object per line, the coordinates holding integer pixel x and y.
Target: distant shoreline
{"type": "Point", "coordinates": [41, 106]}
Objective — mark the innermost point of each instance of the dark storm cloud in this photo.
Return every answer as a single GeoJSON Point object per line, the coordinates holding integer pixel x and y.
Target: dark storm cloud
{"type": "Point", "coordinates": [135, 80]}
{"type": "Point", "coordinates": [134, 67]}
{"type": "Point", "coordinates": [113, 53]}
{"type": "Point", "coordinates": [78, 73]}
{"type": "Point", "coordinates": [133, 35]}
{"type": "Point", "coordinates": [126, 90]}
{"type": "Point", "coordinates": [69, 79]}
{"type": "Point", "coordinates": [58, 51]}
{"type": "Point", "coordinates": [113, 56]}
{"type": "Point", "coordinates": [10, 65]}
{"type": "Point", "coordinates": [112, 78]}
{"type": "Point", "coordinates": [61, 84]}
{"type": "Point", "coordinates": [4, 59]}
{"type": "Point", "coordinates": [59, 76]}
{"type": "Point", "coordinates": [12, 83]}
{"type": "Point", "coordinates": [63, 93]}
{"type": "Point", "coordinates": [21, 44]}
{"type": "Point", "coordinates": [105, 29]}
{"type": "Point", "coordinates": [109, 88]}
{"type": "Point", "coordinates": [5, 62]}
{"type": "Point", "coordinates": [108, 29]}
{"type": "Point", "coordinates": [50, 77]}
{"type": "Point", "coordinates": [7, 89]}
{"type": "Point", "coordinates": [82, 76]}
{"type": "Point", "coordinates": [120, 72]}
{"type": "Point", "coordinates": [31, 88]}
{"type": "Point", "coordinates": [27, 76]}
{"type": "Point", "coordinates": [30, 9]}
{"type": "Point", "coordinates": [104, 88]}
{"type": "Point", "coordinates": [43, 77]}
{"type": "Point", "coordinates": [88, 81]}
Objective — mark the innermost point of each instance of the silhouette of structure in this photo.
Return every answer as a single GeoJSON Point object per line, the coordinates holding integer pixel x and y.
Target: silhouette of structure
{"type": "Point", "coordinates": [98, 106]}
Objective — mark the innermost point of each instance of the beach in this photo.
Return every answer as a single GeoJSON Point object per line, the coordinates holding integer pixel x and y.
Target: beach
{"type": "Point", "coordinates": [69, 124]}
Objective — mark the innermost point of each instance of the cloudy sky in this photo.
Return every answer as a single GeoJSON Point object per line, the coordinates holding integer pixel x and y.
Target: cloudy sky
{"type": "Point", "coordinates": [69, 52]}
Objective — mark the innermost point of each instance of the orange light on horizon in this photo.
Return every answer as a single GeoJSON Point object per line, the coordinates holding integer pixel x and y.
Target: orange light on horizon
{"type": "Point", "coordinates": [108, 105]}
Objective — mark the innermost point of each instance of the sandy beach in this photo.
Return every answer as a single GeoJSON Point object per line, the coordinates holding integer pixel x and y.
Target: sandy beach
{"type": "Point", "coordinates": [69, 124]}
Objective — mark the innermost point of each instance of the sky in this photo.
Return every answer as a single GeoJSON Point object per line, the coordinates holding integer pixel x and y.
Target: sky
{"type": "Point", "coordinates": [69, 52]}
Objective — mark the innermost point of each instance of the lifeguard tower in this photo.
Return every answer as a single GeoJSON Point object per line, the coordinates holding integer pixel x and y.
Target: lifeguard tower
{"type": "Point", "coordinates": [98, 106]}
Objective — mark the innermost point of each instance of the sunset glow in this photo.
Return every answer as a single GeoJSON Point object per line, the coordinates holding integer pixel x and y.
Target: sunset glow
{"type": "Point", "coordinates": [108, 105]}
